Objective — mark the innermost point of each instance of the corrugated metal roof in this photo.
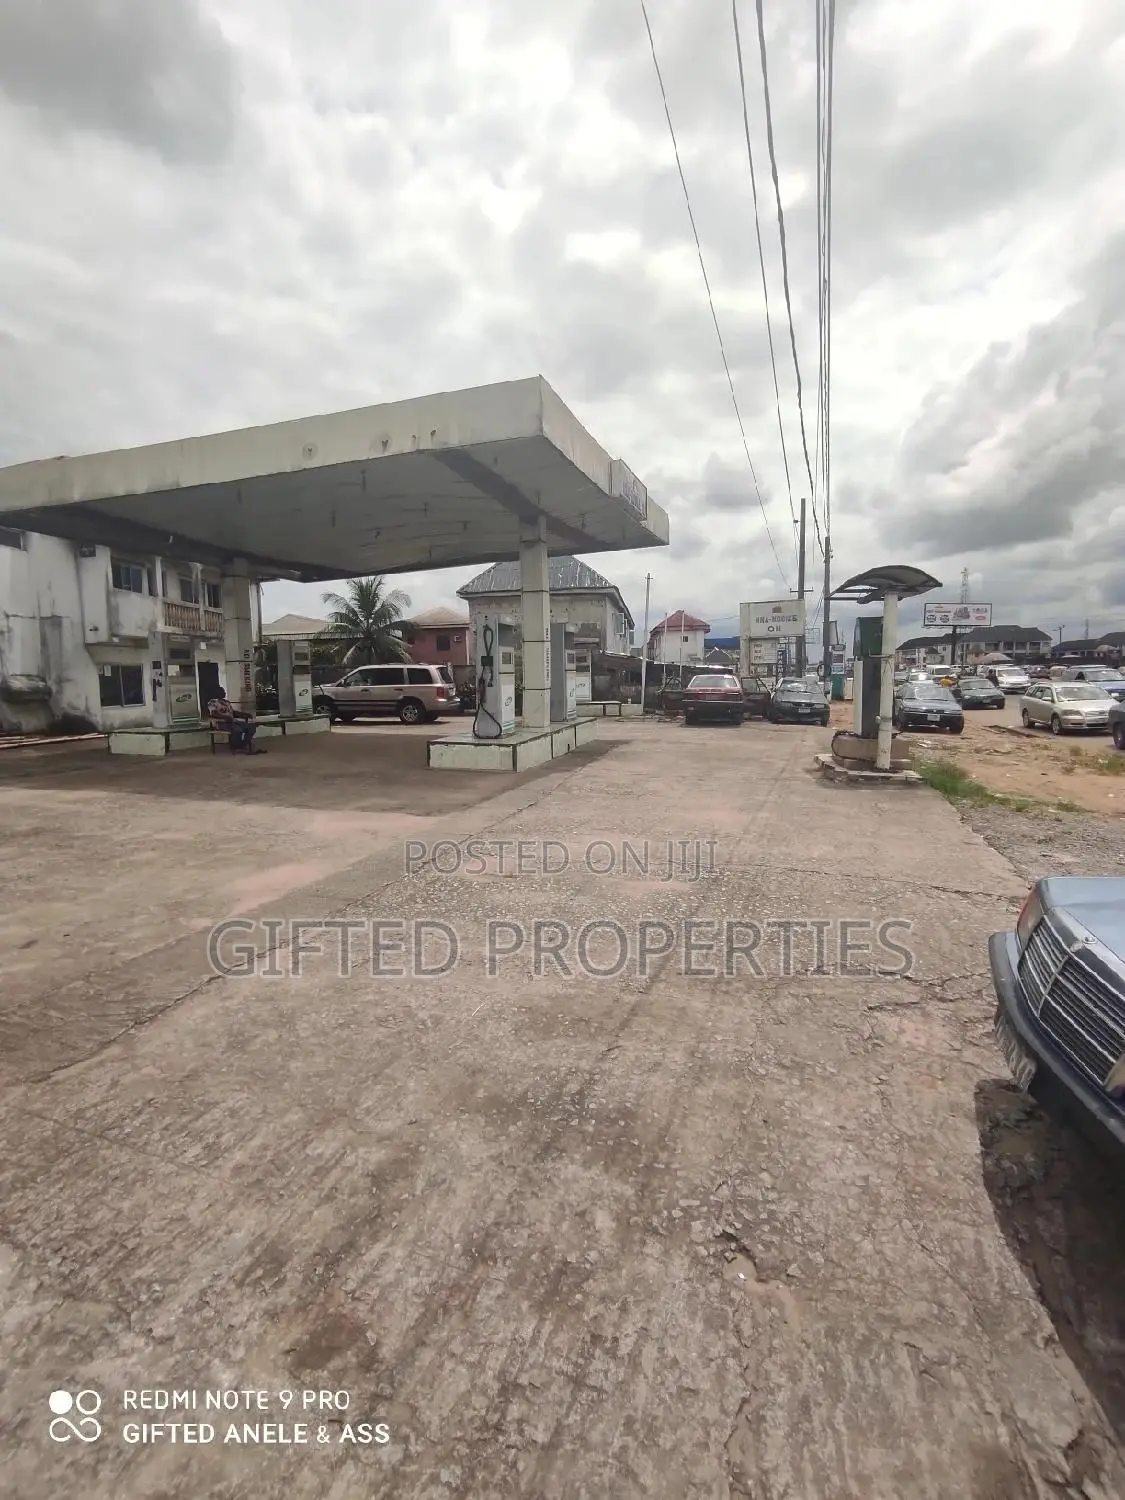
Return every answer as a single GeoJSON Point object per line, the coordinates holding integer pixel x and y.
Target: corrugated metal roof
{"type": "Point", "coordinates": [566, 574]}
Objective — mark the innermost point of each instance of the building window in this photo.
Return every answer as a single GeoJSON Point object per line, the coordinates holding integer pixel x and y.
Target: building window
{"type": "Point", "coordinates": [10, 538]}
{"type": "Point", "coordinates": [212, 594]}
{"type": "Point", "coordinates": [121, 687]}
{"type": "Point", "coordinates": [189, 594]}
{"type": "Point", "coordinates": [128, 576]}
{"type": "Point", "coordinates": [685, 640]}
{"type": "Point", "coordinates": [443, 643]}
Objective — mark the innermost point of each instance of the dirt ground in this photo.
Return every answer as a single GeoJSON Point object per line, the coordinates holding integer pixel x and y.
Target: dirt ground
{"type": "Point", "coordinates": [645, 1230]}
{"type": "Point", "coordinates": [997, 751]}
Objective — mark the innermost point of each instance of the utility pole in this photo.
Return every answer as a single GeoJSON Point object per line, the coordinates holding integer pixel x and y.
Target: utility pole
{"type": "Point", "coordinates": [826, 623]}
{"type": "Point", "coordinates": [644, 641]}
{"type": "Point", "coordinates": [1086, 637]}
{"type": "Point", "coordinates": [801, 590]}
{"type": "Point", "coordinates": [1060, 629]}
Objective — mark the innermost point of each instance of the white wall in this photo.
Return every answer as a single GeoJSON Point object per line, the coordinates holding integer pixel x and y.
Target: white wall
{"type": "Point", "coordinates": [675, 646]}
{"type": "Point", "coordinates": [58, 612]}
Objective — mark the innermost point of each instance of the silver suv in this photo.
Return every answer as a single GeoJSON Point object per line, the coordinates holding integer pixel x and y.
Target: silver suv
{"type": "Point", "coordinates": [416, 694]}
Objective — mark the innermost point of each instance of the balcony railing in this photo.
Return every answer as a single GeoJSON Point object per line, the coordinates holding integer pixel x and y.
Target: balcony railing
{"type": "Point", "coordinates": [192, 619]}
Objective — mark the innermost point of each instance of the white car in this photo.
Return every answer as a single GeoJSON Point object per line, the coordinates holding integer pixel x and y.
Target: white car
{"type": "Point", "coordinates": [1010, 679]}
{"type": "Point", "coordinates": [1066, 707]}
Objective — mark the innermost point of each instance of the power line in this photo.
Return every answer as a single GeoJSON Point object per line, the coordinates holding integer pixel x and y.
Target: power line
{"type": "Point", "coordinates": [707, 286]}
{"type": "Point", "coordinates": [761, 252]}
{"type": "Point", "coordinates": [784, 251]}
{"type": "Point", "coordinates": [829, 76]}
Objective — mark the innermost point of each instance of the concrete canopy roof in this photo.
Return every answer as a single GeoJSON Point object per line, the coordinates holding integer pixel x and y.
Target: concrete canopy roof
{"type": "Point", "coordinates": [435, 482]}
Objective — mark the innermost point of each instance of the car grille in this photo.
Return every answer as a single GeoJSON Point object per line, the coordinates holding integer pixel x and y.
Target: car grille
{"type": "Point", "coordinates": [1077, 1008]}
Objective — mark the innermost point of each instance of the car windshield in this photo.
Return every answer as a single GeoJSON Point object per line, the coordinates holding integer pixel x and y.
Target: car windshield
{"type": "Point", "coordinates": [976, 685]}
{"type": "Point", "coordinates": [1101, 674]}
{"type": "Point", "coordinates": [797, 689]}
{"type": "Point", "coordinates": [1079, 691]}
{"type": "Point", "coordinates": [1009, 672]}
{"type": "Point", "coordinates": [713, 680]}
{"type": "Point", "coordinates": [931, 692]}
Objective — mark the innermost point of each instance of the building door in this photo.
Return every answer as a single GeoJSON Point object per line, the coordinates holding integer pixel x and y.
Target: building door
{"type": "Point", "coordinates": [208, 672]}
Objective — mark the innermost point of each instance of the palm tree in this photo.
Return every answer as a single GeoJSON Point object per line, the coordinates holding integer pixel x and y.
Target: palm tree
{"type": "Point", "coordinates": [364, 620]}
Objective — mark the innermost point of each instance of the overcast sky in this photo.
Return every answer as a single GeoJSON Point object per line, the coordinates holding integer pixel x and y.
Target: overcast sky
{"type": "Point", "coordinates": [225, 215]}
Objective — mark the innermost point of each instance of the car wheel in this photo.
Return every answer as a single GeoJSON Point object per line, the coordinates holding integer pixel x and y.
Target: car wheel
{"type": "Point", "coordinates": [1025, 718]}
{"type": "Point", "coordinates": [410, 711]}
{"type": "Point", "coordinates": [344, 718]}
{"type": "Point", "coordinates": [688, 718]}
{"type": "Point", "coordinates": [1056, 724]}
{"type": "Point", "coordinates": [1119, 736]}
{"type": "Point", "coordinates": [957, 729]}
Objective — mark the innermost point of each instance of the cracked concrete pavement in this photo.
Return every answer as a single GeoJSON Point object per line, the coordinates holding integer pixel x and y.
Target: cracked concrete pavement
{"type": "Point", "coordinates": [785, 1234]}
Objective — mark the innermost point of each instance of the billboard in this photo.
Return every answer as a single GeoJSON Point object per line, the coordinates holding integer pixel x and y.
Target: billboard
{"type": "Point", "coordinates": [956, 614]}
{"type": "Point", "coordinates": [774, 620]}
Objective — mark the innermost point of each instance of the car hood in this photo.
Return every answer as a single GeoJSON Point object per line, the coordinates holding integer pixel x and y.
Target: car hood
{"type": "Point", "coordinates": [1096, 902]}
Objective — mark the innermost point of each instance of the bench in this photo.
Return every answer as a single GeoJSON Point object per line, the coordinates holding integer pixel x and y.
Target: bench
{"type": "Point", "coordinates": [221, 731]}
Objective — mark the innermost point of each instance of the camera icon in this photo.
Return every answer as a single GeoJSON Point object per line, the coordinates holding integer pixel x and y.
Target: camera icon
{"type": "Point", "coordinates": [86, 1428]}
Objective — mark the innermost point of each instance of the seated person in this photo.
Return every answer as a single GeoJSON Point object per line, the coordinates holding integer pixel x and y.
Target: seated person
{"type": "Point", "coordinates": [241, 727]}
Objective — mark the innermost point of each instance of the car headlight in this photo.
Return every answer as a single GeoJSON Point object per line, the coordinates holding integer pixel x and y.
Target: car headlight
{"type": "Point", "coordinates": [1031, 914]}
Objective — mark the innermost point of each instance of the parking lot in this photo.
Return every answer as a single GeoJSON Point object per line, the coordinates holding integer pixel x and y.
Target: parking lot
{"type": "Point", "coordinates": [571, 1219]}
{"type": "Point", "coordinates": [1080, 769]}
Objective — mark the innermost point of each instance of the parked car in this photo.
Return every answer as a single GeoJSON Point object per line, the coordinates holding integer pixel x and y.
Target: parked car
{"type": "Point", "coordinates": [978, 692]}
{"type": "Point", "coordinates": [756, 692]}
{"type": "Point", "coordinates": [716, 696]}
{"type": "Point", "coordinates": [1109, 678]}
{"type": "Point", "coordinates": [797, 701]}
{"type": "Point", "coordinates": [1066, 707]}
{"type": "Point", "coordinates": [416, 694]}
{"type": "Point", "coordinates": [1059, 980]}
{"type": "Point", "coordinates": [1009, 679]}
{"type": "Point", "coordinates": [927, 705]}
{"type": "Point", "coordinates": [1039, 672]}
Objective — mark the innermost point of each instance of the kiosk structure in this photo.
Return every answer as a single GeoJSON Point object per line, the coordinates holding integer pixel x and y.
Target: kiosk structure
{"type": "Point", "coordinates": [868, 749]}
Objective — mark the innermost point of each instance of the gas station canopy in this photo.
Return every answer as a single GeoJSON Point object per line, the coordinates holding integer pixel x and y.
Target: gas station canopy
{"type": "Point", "coordinates": [899, 579]}
{"type": "Point", "coordinates": [439, 481]}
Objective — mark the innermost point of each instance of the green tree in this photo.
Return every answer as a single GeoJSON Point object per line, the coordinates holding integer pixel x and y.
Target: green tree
{"type": "Point", "coordinates": [364, 621]}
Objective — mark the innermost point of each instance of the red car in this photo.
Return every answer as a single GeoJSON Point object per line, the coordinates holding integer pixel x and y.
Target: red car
{"type": "Point", "coordinates": [714, 695]}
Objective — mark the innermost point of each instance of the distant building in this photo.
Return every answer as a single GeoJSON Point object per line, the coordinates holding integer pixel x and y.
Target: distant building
{"type": "Point", "coordinates": [580, 597]}
{"type": "Point", "coordinates": [293, 628]}
{"type": "Point", "coordinates": [679, 639]}
{"type": "Point", "coordinates": [439, 637]}
{"type": "Point", "coordinates": [1019, 642]}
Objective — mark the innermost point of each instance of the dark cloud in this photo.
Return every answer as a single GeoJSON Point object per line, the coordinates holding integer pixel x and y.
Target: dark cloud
{"type": "Point", "coordinates": [1038, 421]}
{"type": "Point", "coordinates": [158, 75]}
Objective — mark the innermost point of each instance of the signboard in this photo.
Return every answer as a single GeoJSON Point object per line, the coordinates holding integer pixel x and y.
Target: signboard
{"type": "Point", "coordinates": [776, 619]}
{"type": "Point", "coordinates": [763, 653]}
{"type": "Point", "coordinates": [956, 614]}
{"type": "Point", "coordinates": [626, 486]}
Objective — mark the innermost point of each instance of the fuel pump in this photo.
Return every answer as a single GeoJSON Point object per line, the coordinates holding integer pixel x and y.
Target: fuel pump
{"type": "Point", "coordinates": [294, 678]}
{"type": "Point", "coordinates": [583, 676]}
{"type": "Point", "coordinates": [496, 678]}
{"type": "Point", "coordinates": [564, 680]}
